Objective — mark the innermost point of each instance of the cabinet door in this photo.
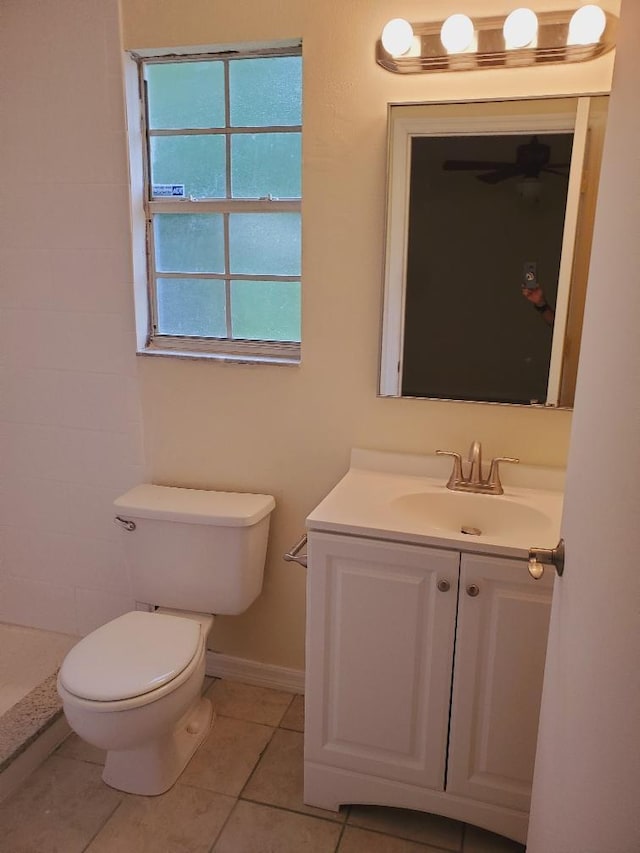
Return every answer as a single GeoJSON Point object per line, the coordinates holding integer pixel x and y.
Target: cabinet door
{"type": "Point", "coordinates": [379, 656]}
{"type": "Point", "coordinates": [497, 685]}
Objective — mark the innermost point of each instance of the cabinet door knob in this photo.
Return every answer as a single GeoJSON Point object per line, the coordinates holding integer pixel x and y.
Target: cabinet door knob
{"type": "Point", "coordinates": [444, 586]}
{"type": "Point", "coordinates": [473, 590]}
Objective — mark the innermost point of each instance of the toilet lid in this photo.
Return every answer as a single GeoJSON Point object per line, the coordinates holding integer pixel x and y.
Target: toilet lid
{"type": "Point", "coordinates": [130, 656]}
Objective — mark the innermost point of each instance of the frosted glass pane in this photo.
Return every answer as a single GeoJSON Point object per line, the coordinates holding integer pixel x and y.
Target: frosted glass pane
{"type": "Point", "coordinates": [185, 94]}
{"type": "Point", "coordinates": [265, 164]}
{"type": "Point", "coordinates": [266, 91]}
{"type": "Point", "coordinates": [264, 243]}
{"type": "Point", "coordinates": [194, 307]}
{"type": "Point", "coordinates": [198, 162]}
{"type": "Point", "coordinates": [189, 242]}
{"type": "Point", "coordinates": [265, 310]}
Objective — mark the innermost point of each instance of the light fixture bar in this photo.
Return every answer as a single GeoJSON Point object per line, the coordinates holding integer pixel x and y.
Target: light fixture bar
{"type": "Point", "coordinates": [551, 46]}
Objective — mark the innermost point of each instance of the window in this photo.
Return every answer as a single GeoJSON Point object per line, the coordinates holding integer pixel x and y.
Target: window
{"type": "Point", "coordinates": [222, 203]}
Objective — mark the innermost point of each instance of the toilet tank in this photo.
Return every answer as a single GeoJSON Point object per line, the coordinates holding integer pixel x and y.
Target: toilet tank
{"type": "Point", "coordinates": [193, 549]}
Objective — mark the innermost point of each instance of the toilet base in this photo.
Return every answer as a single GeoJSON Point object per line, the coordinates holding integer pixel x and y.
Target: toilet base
{"type": "Point", "coordinates": [154, 767]}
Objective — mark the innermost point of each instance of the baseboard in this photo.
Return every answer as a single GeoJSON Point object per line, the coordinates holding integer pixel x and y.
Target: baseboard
{"type": "Point", "coordinates": [255, 672]}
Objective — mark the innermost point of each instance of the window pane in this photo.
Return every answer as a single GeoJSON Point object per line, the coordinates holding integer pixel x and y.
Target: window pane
{"type": "Point", "coordinates": [189, 242]}
{"type": "Point", "coordinates": [266, 91]}
{"type": "Point", "coordinates": [264, 243]}
{"type": "Point", "coordinates": [198, 162]}
{"type": "Point", "coordinates": [191, 306]}
{"type": "Point", "coordinates": [185, 94]}
{"type": "Point", "coordinates": [265, 164]}
{"type": "Point", "coordinates": [265, 310]}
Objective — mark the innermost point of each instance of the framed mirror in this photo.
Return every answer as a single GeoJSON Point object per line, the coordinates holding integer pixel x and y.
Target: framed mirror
{"type": "Point", "coordinates": [481, 197]}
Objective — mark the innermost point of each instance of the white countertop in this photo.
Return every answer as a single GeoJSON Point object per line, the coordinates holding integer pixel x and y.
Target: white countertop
{"type": "Point", "coordinates": [404, 498]}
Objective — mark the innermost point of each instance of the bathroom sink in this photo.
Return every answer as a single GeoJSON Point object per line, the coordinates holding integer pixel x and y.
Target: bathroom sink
{"type": "Point", "coordinates": [472, 514]}
{"type": "Point", "coordinates": [404, 498]}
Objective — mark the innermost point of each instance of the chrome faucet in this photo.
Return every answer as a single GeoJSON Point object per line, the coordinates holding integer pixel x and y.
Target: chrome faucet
{"type": "Point", "coordinates": [473, 481]}
{"type": "Point", "coordinates": [475, 464]}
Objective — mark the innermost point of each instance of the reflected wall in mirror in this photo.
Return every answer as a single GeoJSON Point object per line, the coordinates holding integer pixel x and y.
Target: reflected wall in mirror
{"type": "Point", "coordinates": [476, 192]}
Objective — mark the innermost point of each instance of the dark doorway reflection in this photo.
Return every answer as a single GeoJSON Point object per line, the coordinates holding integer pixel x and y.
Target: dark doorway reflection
{"type": "Point", "coordinates": [469, 332]}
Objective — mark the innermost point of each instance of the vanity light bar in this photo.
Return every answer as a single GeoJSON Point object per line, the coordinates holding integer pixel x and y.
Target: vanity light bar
{"type": "Point", "coordinates": [553, 41]}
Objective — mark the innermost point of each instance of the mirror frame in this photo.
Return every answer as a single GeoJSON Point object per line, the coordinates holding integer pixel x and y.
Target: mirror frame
{"type": "Point", "coordinates": [405, 122]}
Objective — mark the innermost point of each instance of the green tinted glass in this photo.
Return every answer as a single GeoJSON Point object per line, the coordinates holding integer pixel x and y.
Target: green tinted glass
{"type": "Point", "coordinates": [197, 162]}
{"type": "Point", "coordinates": [265, 310]}
{"type": "Point", "coordinates": [264, 243]}
{"type": "Point", "coordinates": [189, 242]}
{"type": "Point", "coordinates": [264, 164]}
{"type": "Point", "coordinates": [185, 94]}
{"type": "Point", "coordinates": [194, 307]}
{"type": "Point", "coordinates": [266, 91]}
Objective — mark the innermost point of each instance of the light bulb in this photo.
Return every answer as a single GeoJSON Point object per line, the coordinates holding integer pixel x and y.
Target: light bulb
{"type": "Point", "coordinates": [397, 37]}
{"type": "Point", "coordinates": [520, 28]}
{"type": "Point", "coordinates": [587, 25]}
{"type": "Point", "coordinates": [529, 190]}
{"type": "Point", "coordinates": [457, 33]}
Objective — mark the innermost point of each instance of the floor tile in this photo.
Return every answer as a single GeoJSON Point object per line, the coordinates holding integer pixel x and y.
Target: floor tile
{"type": "Point", "coordinates": [357, 840]}
{"type": "Point", "coordinates": [80, 750]}
{"type": "Point", "coordinates": [224, 762]}
{"type": "Point", "coordinates": [412, 825]}
{"type": "Point", "coordinates": [278, 779]}
{"type": "Point", "coordinates": [254, 751]}
{"type": "Point", "coordinates": [294, 718]}
{"type": "Point", "coordinates": [184, 820]}
{"type": "Point", "coordinates": [247, 702]}
{"type": "Point", "coordinates": [58, 810]}
{"type": "Point", "coordinates": [254, 828]}
{"type": "Point", "coordinates": [478, 840]}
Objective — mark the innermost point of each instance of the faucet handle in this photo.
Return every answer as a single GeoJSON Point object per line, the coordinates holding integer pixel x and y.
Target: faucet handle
{"type": "Point", "coordinates": [493, 479]}
{"type": "Point", "coordinates": [456, 473]}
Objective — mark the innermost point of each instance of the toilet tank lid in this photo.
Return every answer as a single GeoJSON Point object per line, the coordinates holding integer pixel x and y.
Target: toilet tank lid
{"type": "Point", "coordinates": [195, 506]}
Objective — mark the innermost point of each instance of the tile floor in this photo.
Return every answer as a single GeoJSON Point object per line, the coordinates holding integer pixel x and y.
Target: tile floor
{"type": "Point", "coordinates": [241, 793]}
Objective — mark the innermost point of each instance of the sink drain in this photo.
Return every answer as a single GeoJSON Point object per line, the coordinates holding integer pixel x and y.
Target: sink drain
{"type": "Point", "coordinates": [470, 531]}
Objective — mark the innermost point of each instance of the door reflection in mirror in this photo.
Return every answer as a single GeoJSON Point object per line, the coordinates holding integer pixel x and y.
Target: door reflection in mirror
{"type": "Point", "coordinates": [481, 196]}
{"type": "Point", "coordinates": [460, 222]}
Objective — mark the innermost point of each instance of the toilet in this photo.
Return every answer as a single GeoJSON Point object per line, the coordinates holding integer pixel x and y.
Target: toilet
{"type": "Point", "coordinates": [133, 686]}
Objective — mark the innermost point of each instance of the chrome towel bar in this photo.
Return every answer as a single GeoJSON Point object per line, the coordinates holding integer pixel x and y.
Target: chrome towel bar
{"type": "Point", "coordinates": [293, 554]}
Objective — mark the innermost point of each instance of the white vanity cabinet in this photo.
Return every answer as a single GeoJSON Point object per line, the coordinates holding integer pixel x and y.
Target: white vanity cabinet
{"type": "Point", "coordinates": [379, 656]}
{"type": "Point", "coordinates": [424, 679]}
{"type": "Point", "coordinates": [501, 643]}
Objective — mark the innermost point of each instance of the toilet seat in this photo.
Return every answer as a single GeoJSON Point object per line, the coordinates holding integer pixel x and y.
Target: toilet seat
{"type": "Point", "coordinates": [132, 656]}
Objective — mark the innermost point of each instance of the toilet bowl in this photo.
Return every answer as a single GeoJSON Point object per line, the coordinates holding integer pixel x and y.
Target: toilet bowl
{"type": "Point", "coordinates": [133, 688]}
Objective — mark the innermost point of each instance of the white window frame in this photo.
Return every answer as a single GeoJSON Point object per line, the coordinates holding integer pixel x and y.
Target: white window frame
{"type": "Point", "coordinates": [228, 349]}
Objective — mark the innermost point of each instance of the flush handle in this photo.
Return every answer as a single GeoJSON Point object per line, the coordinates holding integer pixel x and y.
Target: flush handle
{"type": "Point", "coordinates": [541, 557]}
{"type": "Point", "coordinates": [128, 525]}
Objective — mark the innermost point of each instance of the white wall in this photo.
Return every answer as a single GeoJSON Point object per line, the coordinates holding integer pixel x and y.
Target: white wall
{"type": "Point", "coordinates": [70, 425]}
{"type": "Point", "coordinates": [585, 797]}
{"type": "Point", "coordinates": [287, 431]}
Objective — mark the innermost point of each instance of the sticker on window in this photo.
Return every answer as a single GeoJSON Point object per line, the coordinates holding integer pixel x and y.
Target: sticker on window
{"type": "Point", "coordinates": [168, 190]}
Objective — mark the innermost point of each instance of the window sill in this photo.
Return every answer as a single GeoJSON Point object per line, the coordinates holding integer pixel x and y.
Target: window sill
{"type": "Point", "coordinates": [225, 358]}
